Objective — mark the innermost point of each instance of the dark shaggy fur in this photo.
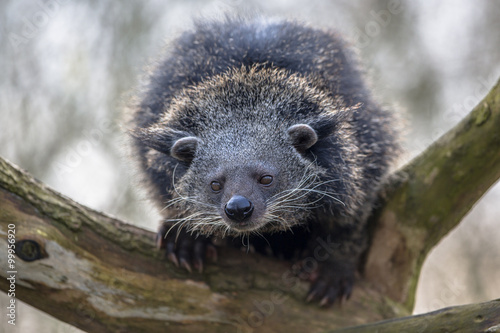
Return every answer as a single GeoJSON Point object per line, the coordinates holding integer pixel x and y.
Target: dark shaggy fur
{"type": "Point", "coordinates": [256, 128]}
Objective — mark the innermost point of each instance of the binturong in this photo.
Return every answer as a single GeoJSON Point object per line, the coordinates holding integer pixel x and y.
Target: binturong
{"type": "Point", "coordinates": [263, 132]}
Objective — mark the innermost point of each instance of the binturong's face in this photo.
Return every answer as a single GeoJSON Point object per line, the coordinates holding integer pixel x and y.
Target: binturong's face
{"type": "Point", "coordinates": [243, 194]}
{"type": "Point", "coordinates": [248, 152]}
{"type": "Point", "coordinates": [240, 182]}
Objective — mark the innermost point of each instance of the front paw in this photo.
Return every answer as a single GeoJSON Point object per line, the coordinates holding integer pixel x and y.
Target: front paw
{"type": "Point", "coordinates": [331, 281]}
{"type": "Point", "coordinates": [185, 249]}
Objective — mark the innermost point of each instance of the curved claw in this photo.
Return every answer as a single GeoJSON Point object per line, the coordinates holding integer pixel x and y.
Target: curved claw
{"type": "Point", "coordinates": [316, 291]}
{"type": "Point", "coordinates": [333, 282]}
{"type": "Point", "coordinates": [170, 252]}
{"type": "Point", "coordinates": [173, 258]}
{"type": "Point", "coordinates": [185, 265]}
{"type": "Point", "coordinates": [310, 296]}
{"type": "Point", "coordinates": [184, 249]}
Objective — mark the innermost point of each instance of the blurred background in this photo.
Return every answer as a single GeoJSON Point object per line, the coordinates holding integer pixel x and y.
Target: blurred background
{"type": "Point", "coordinates": [67, 69]}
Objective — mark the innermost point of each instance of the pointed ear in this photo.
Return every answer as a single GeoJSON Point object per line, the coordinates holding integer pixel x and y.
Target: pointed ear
{"type": "Point", "coordinates": [302, 137]}
{"type": "Point", "coordinates": [185, 148]}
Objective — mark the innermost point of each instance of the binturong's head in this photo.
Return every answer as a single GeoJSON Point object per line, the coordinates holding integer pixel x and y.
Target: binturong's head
{"type": "Point", "coordinates": [251, 150]}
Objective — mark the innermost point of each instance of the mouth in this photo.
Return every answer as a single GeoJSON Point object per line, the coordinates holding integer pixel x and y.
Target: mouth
{"type": "Point", "coordinates": [244, 226]}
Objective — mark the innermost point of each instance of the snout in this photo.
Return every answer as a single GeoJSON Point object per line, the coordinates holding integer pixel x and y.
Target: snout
{"type": "Point", "coordinates": [239, 209]}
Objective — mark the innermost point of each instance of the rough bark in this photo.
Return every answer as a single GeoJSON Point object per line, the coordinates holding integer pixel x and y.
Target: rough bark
{"type": "Point", "coordinates": [430, 196]}
{"type": "Point", "coordinates": [479, 318]}
{"type": "Point", "coordinates": [103, 275]}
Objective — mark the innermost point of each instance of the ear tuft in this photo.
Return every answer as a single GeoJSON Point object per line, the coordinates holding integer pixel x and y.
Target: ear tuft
{"type": "Point", "coordinates": [153, 137]}
{"type": "Point", "coordinates": [178, 144]}
{"type": "Point", "coordinates": [185, 148]}
{"type": "Point", "coordinates": [302, 137]}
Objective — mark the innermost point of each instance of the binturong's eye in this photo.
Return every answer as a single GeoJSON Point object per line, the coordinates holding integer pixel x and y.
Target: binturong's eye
{"type": "Point", "coordinates": [266, 180]}
{"type": "Point", "coordinates": [216, 186]}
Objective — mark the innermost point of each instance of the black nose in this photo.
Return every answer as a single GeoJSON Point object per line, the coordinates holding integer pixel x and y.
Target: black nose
{"type": "Point", "coordinates": [238, 208]}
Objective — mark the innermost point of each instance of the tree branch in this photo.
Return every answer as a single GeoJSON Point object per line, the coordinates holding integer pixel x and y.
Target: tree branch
{"type": "Point", "coordinates": [428, 197]}
{"type": "Point", "coordinates": [482, 317]}
{"type": "Point", "coordinates": [103, 275]}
